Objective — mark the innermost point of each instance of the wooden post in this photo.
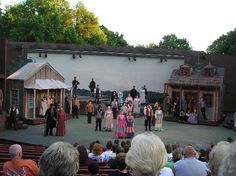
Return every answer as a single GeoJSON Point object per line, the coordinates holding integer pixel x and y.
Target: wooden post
{"type": "Point", "coordinates": [34, 104]}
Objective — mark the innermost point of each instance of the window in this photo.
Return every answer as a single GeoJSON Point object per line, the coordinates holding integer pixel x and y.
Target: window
{"type": "Point", "coordinates": [14, 97]}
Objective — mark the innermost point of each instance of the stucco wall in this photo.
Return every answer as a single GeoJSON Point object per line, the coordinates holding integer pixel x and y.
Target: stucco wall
{"type": "Point", "coordinates": [112, 72]}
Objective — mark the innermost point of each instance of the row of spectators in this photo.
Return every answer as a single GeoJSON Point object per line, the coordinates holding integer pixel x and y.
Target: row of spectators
{"type": "Point", "coordinates": [145, 155]}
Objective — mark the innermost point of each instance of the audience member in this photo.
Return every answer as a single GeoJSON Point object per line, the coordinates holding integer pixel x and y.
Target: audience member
{"type": "Point", "coordinates": [190, 165]}
{"type": "Point", "coordinates": [147, 155]}
{"type": "Point", "coordinates": [17, 165]}
{"type": "Point", "coordinates": [96, 154]}
{"type": "Point", "coordinates": [83, 155]}
{"type": "Point", "coordinates": [59, 159]}
{"type": "Point", "coordinates": [108, 154]}
{"type": "Point", "coordinates": [169, 152]}
{"type": "Point", "coordinates": [228, 167]}
{"type": "Point", "coordinates": [93, 169]}
{"type": "Point", "coordinates": [216, 155]}
{"type": "Point", "coordinates": [121, 166]}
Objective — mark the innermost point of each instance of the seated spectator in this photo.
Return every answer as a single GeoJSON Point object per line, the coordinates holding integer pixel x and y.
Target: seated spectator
{"type": "Point", "coordinates": [202, 155]}
{"type": "Point", "coordinates": [165, 171]}
{"type": "Point", "coordinates": [59, 159]}
{"type": "Point", "coordinates": [147, 155]}
{"type": "Point", "coordinates": [216, 155]}
{"type": "Point", "coordinates": [169, 152]}
{"type": "Point", "coordinates": [17, 165]}
{"type": "Point", "coordinates": [177, 155]}
{"type": "Point", "coordinates": [83, 155]}
{"type": "Point", "coordinates": [228, 167]}
{"type": "Point", "coordinates": [108, 154]}
{"type": "Point", "coordinates": [121, 166]}
{"type": "Point", "coordinates": [93, 169]}
{"type": "Point", "coordinates": [190, 165]}
{"type": "Point", "coordinates": [96, 154]}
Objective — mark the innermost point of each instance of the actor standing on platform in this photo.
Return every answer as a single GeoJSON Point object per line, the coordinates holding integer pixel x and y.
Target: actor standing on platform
{"type": "Point", "coordinates": [75, 84]}
{"type": "Point", "coordinates": [92, 86]}
{"type": "Point", "coordinates": [61, 122]}
{"type": "Point", "coordinates": [50, 115]}
{"type": "Point", "coordinates": [97, 93]}
{"type": "Point", "coordinates": [148, 113]}
{"type": "Point", "coordinates": [202, 104]}
{"type": "Point", "coordinates": [12, 121]}
{"type": "Point", "coordinates": [89, 109]}
{"type": "Point", "coordinates": [158, 119]}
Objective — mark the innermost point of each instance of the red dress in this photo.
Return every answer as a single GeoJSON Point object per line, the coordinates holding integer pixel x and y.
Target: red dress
{"type": "Point", "coordinates": [61, 127]}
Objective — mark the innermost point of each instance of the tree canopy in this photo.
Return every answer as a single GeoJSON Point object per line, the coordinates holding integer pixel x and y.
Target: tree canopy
{"type": "Point", "coordinates": [225, 44]}
{"type": "Point", "coordinates": [54, 21]}
{"type": "Point", "coordinates": [172, 42]}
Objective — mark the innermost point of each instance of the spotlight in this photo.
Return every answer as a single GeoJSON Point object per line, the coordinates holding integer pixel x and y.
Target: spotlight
{"type": "Point", "coordinates": [40, 55]}
{"type": "Point", "coordinates": [165, 60]}
{"type": "Point", "coordinates": [45, 55]}
{"type": "Point", "coordinates": [80, 56]}
{"type": "Point", "coordinates": [134, 58]}
{"type": "Point", "coordinates": [73, 56]}
{"type": "Point", "coordinates": [161, 60]}
{"type": "Point", "coordinates": [129, 58]}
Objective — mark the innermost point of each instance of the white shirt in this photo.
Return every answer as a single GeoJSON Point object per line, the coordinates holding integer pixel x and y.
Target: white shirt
{"type": "Point", "coordinates": [165, 171]}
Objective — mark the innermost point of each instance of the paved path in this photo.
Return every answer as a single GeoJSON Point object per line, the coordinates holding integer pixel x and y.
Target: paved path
{"type": "Point", "coordinates": [79, 131]}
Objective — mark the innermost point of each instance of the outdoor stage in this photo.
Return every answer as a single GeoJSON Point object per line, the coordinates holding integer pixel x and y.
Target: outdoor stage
{"type": "Point", "coordinates": [79, 131]}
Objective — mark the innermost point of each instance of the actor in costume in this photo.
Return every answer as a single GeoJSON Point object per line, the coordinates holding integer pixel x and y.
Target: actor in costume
{"type": "Point", "coordinates": [92, 86]}
{"type": "Point", "coordinates": [158, 119]}
{"type": "Point", "coordinates": [12, 121]}
{"type": "Point", "coordinates": [97, 93]}
{"type": "Point", "coordinates": [202, 104]}
{"type": "Point", "coordinates": [75, 84]}
{"type": "Point", "coordinates": [89, 109]}
{"type": "Point", "coordinates": [193, 117]}
{"type": "Point", "coordinates": [61, 122]}
{"type": "Point", "coordinates": [108, 119]}
{"type": "Point", "coordinates": [148, 113]}
{"type": "Point", "coordinates": [130, 125]}
{"type": "Point", "coordinates": [120, 125]}
{"type": "Point", "coordinates": [99, 114]}
{"type": "Point", "coordinates": [51, 116]}
{"type": "Point", "coordinates": [136, 109]}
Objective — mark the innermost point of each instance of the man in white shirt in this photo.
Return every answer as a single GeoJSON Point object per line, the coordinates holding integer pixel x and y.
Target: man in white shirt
{"type": "Point", "coordinates": [108, 154]}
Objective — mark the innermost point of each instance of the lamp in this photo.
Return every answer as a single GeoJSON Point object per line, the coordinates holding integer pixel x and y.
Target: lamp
{"type": "Point", "coordinates": [165, 60]}
{"type": "Point", "coordinates": [45, 55]}
{"type": "Point", "coordinates": [129, 58]}
{"type": "Point", "coordinates": [134, 58]}
{"type": "Point", "coordinates": [40, 55]}
{"type": "Point", "coordinates": [80, 56]}
{"type": "Point", "coordinates": [161, 60]}
{"type": "Point", "coordinates": [73, 56]}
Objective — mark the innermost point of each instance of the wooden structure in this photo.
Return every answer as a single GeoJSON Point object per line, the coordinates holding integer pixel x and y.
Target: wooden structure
{"type": "Point", "coordinates": [199, 81]}
{"type": "Point", "coordinates": [30, 84]}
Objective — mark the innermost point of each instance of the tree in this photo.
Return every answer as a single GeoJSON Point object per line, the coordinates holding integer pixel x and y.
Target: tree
{"type": "Point", "coordinates": [225, 44]}
{"type": "Point", "coordinates": [172, 42]}
{"type": "Point", "coordinates": [114, 38]}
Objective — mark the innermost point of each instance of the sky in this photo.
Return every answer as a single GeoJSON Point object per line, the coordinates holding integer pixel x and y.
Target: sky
{"type": "Point", "coordinates": [147, 21]}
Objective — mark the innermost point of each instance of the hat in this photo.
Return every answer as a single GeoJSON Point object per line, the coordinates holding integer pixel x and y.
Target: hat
{"type": "Point", "coordinates": [15, 149]}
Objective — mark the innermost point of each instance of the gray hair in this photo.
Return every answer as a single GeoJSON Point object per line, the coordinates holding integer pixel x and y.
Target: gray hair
{"type": "Point", "coordinates": [216, 155]}
{"type": "Point", "coordinates": [228, 167]}
{"type": "Point", "coordinates": [147, 155]}
{"type": "Point", "coordinates": [60, 159]}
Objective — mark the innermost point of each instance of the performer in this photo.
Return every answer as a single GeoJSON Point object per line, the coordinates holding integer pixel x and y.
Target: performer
{"type": "Point", "coordinates": [99, 114]}
{"type": "Point", "coordinates": [133, 92]}
{"type": "Point", "coordinates": [50, 115]}
{"type": "Point", "coordinates": [120, 98]}
{"type": "Point", "coordinates": [12, 121]}
{"type": "Point", "coordinates": [128, 98]}
{"type": "Point", "coordinates": [148, 113]}
{"type": "Point", "coordinates": [158, 119]}
{"type": "Point", "coordinates": [124, 109]}
{"type": "Point", "coordinates": [114, 107]}
{"type": "Point", "coordinates": [43, 106]}
{"type": "Point", "coordinates": [108, 119]}
{"type": "Point", "coordinates": [97, 93]}
{"type": "Point", "coordinates": [202, 104]}
{"type": "Point", "coordinates": [136, 107]}
{"type": "Point", "coordinates": [89, 109]}
{"type": "Point", "coordinates": [92, 86]}
{"type": "Point", "coordinates": [130, 125]}
{"type": "Point", "coordinates": [120, 125]}
{"type": "Point", "coordinates": [130, 106]}
{"type": "Point", "coordinates": [75, 109]}
{"type": "Point", "coordinates": [75, 84]}
{"type": "Point", "coordinates": [193, 117]}
{"type": "Point", "coordinates": [67, 104]}
{"type": "Point", "coordinates": [61, 119]}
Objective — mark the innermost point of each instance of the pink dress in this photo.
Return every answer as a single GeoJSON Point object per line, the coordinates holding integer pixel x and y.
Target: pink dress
{"type": "Point", "coordinates": [120, 126]}
{"type": "Point", "coordinates": [61, 127]}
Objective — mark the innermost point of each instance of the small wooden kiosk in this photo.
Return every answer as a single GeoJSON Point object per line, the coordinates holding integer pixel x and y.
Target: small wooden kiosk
{"type": "Point", "coordinates": [195, 82]}
{"type": "Point", "coordinates": [32, 83]}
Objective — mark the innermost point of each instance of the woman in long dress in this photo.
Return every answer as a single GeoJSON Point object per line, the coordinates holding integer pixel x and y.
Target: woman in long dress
{"type": "Point", "coordinates": [108, 119]}
{"type": "Point", "coordinates": [120, 125]}
{"type": "Point", "coordinates": [61, 119]}
{"type": "Point", "coordinates": [136, 107]}
{"type": "Point", "coordinates": [130, 125]}
{"type": "Point", "coordinates": [158, 119]}
{"type": "Point", "coordinates": [193, 117]}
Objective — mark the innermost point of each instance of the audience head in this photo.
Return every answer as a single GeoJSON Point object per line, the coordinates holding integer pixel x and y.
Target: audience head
{"type": "Point", "coordinates": [216, 155]}
{"type": "Point", "coordinates": [60, 159]}
{"type": "Point", "coordinates": [177, 155]}
{"type": "Point", "coordinates": [189, 151]}
{"type": "Point", "coordinates": [228, 167]}
{"type": "Point", "coordinates": [168, 148]}
{"type": "Point", "coordinates": [97, 149]}
{"type": "Point", "coordinates": [83, 154]}
{"type": "Point", "coordinates": [120, 161]}
{"type": "Point", "coordinates": [147, 154]}
{"type": "Point", "coordinates": [109, 145]}
{"type": "Point", "coordinates": [15, 151]}
{"type": "Point", "coordinates": [93, 168]}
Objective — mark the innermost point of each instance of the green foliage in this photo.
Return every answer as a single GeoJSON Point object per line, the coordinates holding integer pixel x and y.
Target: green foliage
{"type": "Point", "coordinates": [53, 21]}
{"type": "Point", "coordinates": [17, 64]}
{"type": "Point", "coordinates": [172, 42]}
{"type": "Point", "coordinates": [225, 44]}
{"type": "Point", "coordinates": [114, 38]}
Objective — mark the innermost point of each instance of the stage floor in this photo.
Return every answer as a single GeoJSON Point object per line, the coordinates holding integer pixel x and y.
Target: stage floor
{"type": "Point", "coordinates": [79, 131]}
